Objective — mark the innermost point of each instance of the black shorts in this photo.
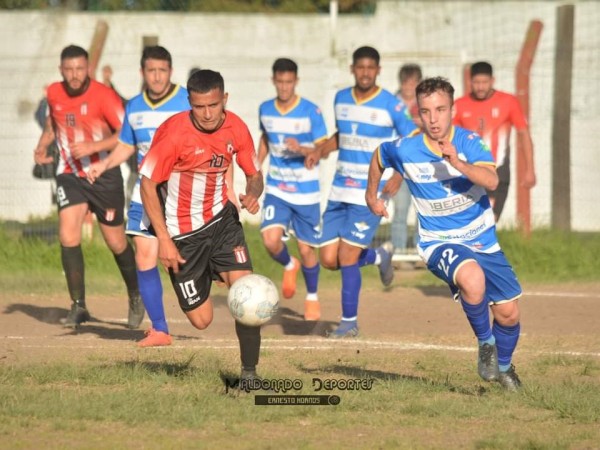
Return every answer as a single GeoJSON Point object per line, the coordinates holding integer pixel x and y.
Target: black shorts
{"type": "Point", "coordinates": [105, 197]}
{"type": "Point", "coordinates": [498, 198]}
{"type": "Point", "coordinates": [219, 246]}
{"type": "Point", "coordinates": [499, 195]}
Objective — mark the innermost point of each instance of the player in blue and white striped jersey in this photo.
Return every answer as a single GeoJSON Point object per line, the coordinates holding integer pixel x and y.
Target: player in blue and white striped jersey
{"type": "Point", "coordinates": [291, 128]}
{"type": "Point", "coordinates": [448, 170]}
{"type": "Point", "coordinates": [366, 115]}
{"type": "Point", "coordinates": [143, 114]}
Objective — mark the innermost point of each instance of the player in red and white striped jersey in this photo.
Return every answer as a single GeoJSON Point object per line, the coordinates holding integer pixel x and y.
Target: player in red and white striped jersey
{"type": "Point", "coordinates": [200, 236]}
{"type": "Point", "coordinates": [492, 114]}
{"type": "Point", "coordinates": [85, 117]}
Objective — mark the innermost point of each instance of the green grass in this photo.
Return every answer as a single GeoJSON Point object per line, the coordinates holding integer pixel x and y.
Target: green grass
{"type": "Point", "coordinates": [170, 399]}
{"type": "Point", "coordinates": [32, 264]}
{"type": "Point", "coordinates": [108, 394]}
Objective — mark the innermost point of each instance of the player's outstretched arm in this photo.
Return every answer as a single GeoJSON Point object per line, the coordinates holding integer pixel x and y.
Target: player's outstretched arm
{"type": "Point", "coordinates": [81, 149]}
{"type": "Point", "coordinates": [375, 204]}
{"type": "Point", "coordinates": [322, 151]}
{"type": "Point", "coordinates": [263, 149]}
{"type": "Point", "coordinates": [482, 175]}
{"type": "Point", "coordinates": [167, 252]}
{"type": "Point", "coordinates": [230, 190]}
{"type": "Point", "coordinates": [40, 155]}
{"type": "Point", "coordinates": [254, 189]}
{"type": "Point", "coordinates": [120, 154]}
{"type": "Point", "coordinates": [524, 139]}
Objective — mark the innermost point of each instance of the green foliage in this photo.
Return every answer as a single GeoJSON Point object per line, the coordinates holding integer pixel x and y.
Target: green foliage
{"type": "Point", "coordinates": [30, 258]}
{"type": "Point", "coordinates": [552, 256]}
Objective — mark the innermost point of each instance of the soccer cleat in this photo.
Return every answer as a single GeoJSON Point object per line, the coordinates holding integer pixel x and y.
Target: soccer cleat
{"type": "Point", "coordinates": [312, 310]}
{"type": "Point", "coordinates": [344, 330]}
{"type": "Point", "coordinates": [155, 338]}
{"type": "Point", "coordinates": [76, 316]}
{"type": "Point", "coordinates": [136, 312]}
{"type": "Point", "coordinates": [509, 379]}
{"type": "Point", "coordinates": [386, 269]}
{"type": "Point", "coordinates": [248, 375]}
{"type": "Point", "coordinates": [487, 362]}
{"type": "Point", "coordinates": [288, 286]}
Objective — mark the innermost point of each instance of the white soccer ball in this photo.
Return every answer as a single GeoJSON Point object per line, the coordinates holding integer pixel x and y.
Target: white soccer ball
{"type": "Point", "coordinates": [253, 299]}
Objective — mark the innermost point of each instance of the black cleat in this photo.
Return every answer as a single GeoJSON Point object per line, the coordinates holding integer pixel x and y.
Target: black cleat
{"type": "Point", "coordinates": [76, 316]}
{"type": "Point", "coordinates": [487, 362]}
{"type": "Point", "coordinates": [509, 380]}
{"type": "Point", "coordinates": [136, 312]}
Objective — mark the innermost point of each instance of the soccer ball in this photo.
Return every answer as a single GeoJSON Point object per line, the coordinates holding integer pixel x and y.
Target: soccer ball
{"type": "Point", "coordinates": [253, 299]}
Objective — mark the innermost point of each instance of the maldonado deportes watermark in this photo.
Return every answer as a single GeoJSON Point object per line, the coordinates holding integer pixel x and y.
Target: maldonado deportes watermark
{"type": "Point", "coordinates": [277, 389]}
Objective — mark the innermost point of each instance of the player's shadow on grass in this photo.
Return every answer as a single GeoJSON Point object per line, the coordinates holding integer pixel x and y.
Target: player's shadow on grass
{"type": "Point", "coordinates": [56, 316]}
{"type": "Point", "coordinates": [50, 315]}
{"type": "Point", "coordinates": [288, 320]}
{"type": "Point", "coordinates": [379, 375]}
{"type": "Point", "coordinates": [293, 324]}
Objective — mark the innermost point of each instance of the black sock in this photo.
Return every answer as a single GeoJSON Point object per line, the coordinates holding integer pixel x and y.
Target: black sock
{"type": "Point", "coordinates": [249, 338]}
{"type": "Point", "coordinates": [72, 262]}
{"type": "Point", "coordinates": [126, 263]}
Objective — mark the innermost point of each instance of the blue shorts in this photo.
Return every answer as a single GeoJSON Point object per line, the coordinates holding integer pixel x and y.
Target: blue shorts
{"type": "Point", "coordinates": [501, 284]}
{"type": "Point", "coordinates": [354, 224]}
{"type": "Point", "coordinates": [304, 221]}
{"type": "Point", "coordinates": [137, 221]}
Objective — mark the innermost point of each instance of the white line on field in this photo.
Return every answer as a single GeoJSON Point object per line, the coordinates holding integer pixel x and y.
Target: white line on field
{"type": "Point", "coordinates": [300, 344]}
{"type": "Point", "coordinates": [561, 294]}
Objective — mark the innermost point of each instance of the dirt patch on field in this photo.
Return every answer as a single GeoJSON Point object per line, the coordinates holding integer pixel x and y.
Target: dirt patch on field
{"type": "Point", "coordinates": [561, 318]}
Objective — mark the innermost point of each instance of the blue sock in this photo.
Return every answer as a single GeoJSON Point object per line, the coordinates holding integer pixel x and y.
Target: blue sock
{"type": "Point", "coordinates": [506, 342]}
{"type": "Point", "coordinates": [367, 256]}
{"type": "Point", "coordinates": [283, 257]}
{"type": "Point", "coordinates": [479, 318]}
{"type": "Point", "coordinates": [311, 278]}
{"type": "Point", "coordinates": [351, 282]}
{"type": "Point", "coordinates": [152, 295]}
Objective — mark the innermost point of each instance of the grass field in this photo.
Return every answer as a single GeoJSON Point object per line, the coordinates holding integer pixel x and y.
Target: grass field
{"type": "Point", "coordinates": [94, 389]}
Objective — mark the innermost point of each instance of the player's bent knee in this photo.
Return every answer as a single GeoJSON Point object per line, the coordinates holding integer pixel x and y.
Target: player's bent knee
{"type": "Point", "coordinates": [471, 281]}
{"type": "Point", "coordinates": [202, 316]}
{"type": "Point", "coordinates": [507, 313]}
{"type": "Point", "coordinates": [200, 323]}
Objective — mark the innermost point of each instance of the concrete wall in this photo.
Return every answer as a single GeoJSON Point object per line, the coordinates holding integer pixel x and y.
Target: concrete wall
{"type": "Point", "coordinates": [439, 35]}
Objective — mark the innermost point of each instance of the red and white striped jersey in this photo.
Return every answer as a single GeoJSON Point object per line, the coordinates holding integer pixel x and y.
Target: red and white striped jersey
{"type": "Point", "coordinates": [492, 119]}
{"type": "Point", "coordinates": [92, 116]}
{"type": "Point", "coordinates": [193, 163]}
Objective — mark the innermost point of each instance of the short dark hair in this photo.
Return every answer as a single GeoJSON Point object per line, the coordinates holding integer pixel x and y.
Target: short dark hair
{"type": "Point", "coordinates": [155, 52]}
{"type": "Point", "coordinates": [430, 85]}
{"type": "Point", "coordinates": [193, 70]}
{"type": "Point", "coordinates": [204, 80]}
{"type": "Point", "coordinates": [285, 65]}
{"type": "Point", "coordinates": [410, 71]}
{"type": "Point", "coordinates": [365, 52]}
{"type": "Point", "coordinates": [73, 51]}
{"type": "Point", "coordinates": [481, 68]}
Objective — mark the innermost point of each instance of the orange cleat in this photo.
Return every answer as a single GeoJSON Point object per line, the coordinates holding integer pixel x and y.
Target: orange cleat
{"type": "Point", "coordinates": [312, 310]}
{"type": "Point", "coordinates": [155, 339]}
{"type": "Point", "coordinates": [289, 279]}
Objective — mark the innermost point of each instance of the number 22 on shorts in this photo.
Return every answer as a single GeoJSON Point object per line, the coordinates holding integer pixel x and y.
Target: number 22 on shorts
{"type": "Point", "coordinates": [448, 257]}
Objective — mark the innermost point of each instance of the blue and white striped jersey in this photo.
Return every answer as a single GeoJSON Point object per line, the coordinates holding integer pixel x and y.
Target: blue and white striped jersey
{"type": "Point", "coordinates": [450, 207]}
{"type": "Point", "coordinates": [362, 126]}
{"type": "Point", "coordinates": [142, 118]}
{"type": "Point", "coordinates": [287, 177]}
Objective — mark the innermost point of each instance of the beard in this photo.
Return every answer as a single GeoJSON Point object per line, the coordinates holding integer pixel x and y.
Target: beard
{"type": "Point", "coordinates": [76, 92]}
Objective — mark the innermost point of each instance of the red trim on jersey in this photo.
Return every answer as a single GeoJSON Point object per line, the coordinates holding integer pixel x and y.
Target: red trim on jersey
{"type": "Point", "coordinates": [194, 163]}
{"type": "Point", "coordinates": [186, 182]}
{"type": "Point", "coordinates": [92, 116]}
{"type": "Point", "coordinates": [493, 118]}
